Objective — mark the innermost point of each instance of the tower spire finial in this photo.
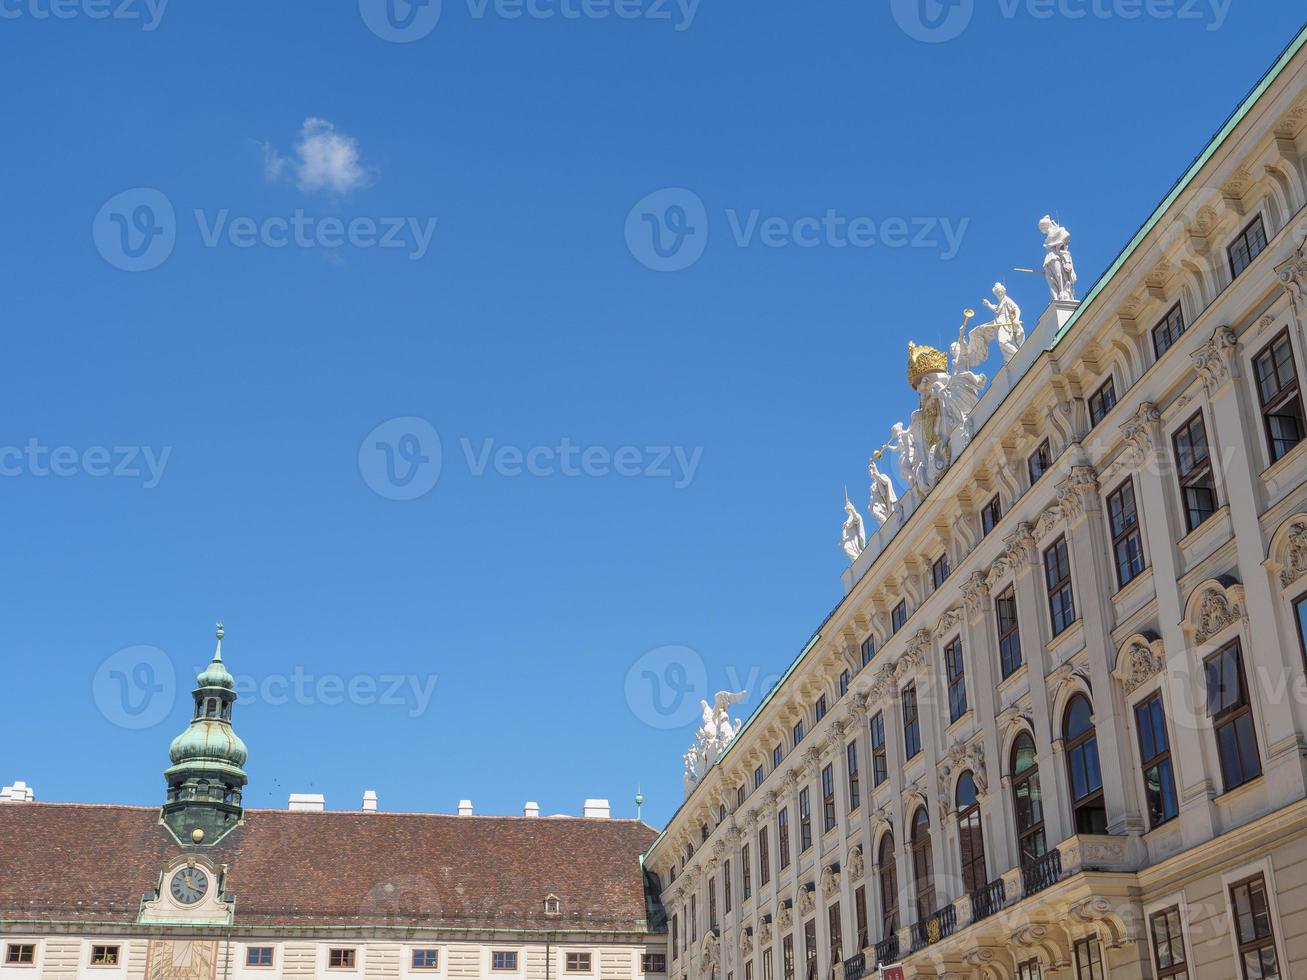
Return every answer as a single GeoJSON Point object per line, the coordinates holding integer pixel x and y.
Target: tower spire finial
{"type": "Point", "coordinates": [217, 653]}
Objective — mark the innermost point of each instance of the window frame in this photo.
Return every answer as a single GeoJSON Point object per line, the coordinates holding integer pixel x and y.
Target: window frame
{"type": "Point", "coordinates": [579, 955]}
{"type": "Point", "coordinates": [783, 836]}
{"type": "Point", "coordinates": [1012, 633]}
{"type": "Point", "coordinates": [1231, 716]}
{"type": "Point", "coordinates": [764, 857]}
{"type": "Point", "coordinates": [911, 722]}
{"type": "Point", "coordinates": [829, 819]}
{"type": "Point", "coordinates": [805, 820]}
{"type": "Point", "coordinates": [1180, 969]}
{"type": "Point", "coordinates": [1242, 239]}
{"type": "Point", "coordinates": [940, 570]}
{"type": "Point", "coordinates": [106, 955]}
{"type": "Point", "coordinates": [1270, 940]}
{"type": "Point", "coordinates": [1164, 329]}
{"type": "Point", "coordinates": [649, 963]}
{"type": "Point", "coordinates": [990, 515]}
{"type": "Point", "coordinates": [1135, 564]}
{"type": "Point", "coordinates": [955, 672]}
{"type": "Point", "coordinates": [888, 880]}
{"type": "Point", "coordinates": [1036, 829]}
{"type": "Point", "coordinates": [923, 866]}
{"type": "Point", "coordinates": [746, 874]}
{"type": "Point", "coordinates": [853, 776]}
{"type": "Point", "coordinates": [1061, 592]}
{"type": "Point", "coordinates": [1290, 393]}
{"type": "Point", "coordinates": [1102, 401]}
{"type": "Point", "coordinates": [20, 954]}
{"type": "Point", "coordinates": [1161, 759]}
{"type": "Point", "coordinates": [880, 750]}
{"type": "Point", "coordinates": [1081, 749]}
{"type": "Point", "coordinates": [1091, 947]}
{"type": "Point", "coordinates": [1039, 462]}
{"type": "Point", "coordinates": [898, 617]}
{"type": "Point", "coordinates": [342, 958]}
{"type": "Point", "coordinates": [250, 952]}
{"type": "Point", "coordinates": [1199, 475]}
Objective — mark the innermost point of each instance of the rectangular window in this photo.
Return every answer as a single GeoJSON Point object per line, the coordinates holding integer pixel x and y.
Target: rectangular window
{"type": "Point", "coordinates": [819, 709]}
{"type": "Point", "coordinates": [879, 755]}
{"type": "Point", "coordinates": [855, 790]}
{"type": "Point", "coordinates": [836, 938]}
{"type": "Point", "coordinates": [578, 962]}
{"type": "Point", "coordinates": [1009, 634]}
{"type": "Point", "coordinates": [798, 734]}
{"type": "Point", "coordinates": [758, 776]}
{"type": "Point", "coordinates": [805, 821]}
{"type": "Point", "coordinates": [940, 571]}
{"type": "Point", "coordinates": [845, 677]}
{"type": "Point", "coordinates": [1166, 333]}
{"type": "Point", "coordinates": [1089, 960]}
{"type": "Point", "coordinates": [676, 930]}
{"type": "Point", "coordinates": [746, 871]}
{"type": "Point", "coordinates": [787, 957]}
{"type": "Point", "coordinates": [783, 835]}
{"type": "Point", "coordinates": [764, 857]}
{"type": "Point", "coordinates": [739, 795]}
{"type": "Point", "coordinates": [810, 948]}
{"type": "Point", "coordinates": [692, 919]}
{"type": "Point", "coordinates": [777, 754]}
{"type": "Point", "coordinates": [258, 956]}
{"type": "Point", "coordinates": [991, 514]}
{"type": "Point", "coordinates": [425, 959]}
{"type": "Point", "coordinates": [1300, 614]}
{"type": "Point", "coordinates": [1028, 970]}
{"type": "Point", "coordinates": [1250, 244]}
{"type": "Point", "coordinates": [828, 799]}
{"type": "Point", "coordinates": [1101, 402]}
{"type": "Point", "coordinates": [1168, 944]}
{"type": "Point", "coordinates": [868, 650]}
{"type": "Point", "coordinates": [767, 964]}
{"type": "Point", "coordinates": [104, 956]}
{"type": "Point", "coordinates": [748, 970]}
{"type": "Point", "coordinates": [911, 722]}
{"type": "Point", "coordinates": [20, 954]}
{"type": "Point", "coordinates": [726, 884]}
{"type": "Point", "coordinates": [654, 963]}
{"type": "Point", "coordinates": [1057, 575]}
{"type": "Point", "coordinates": [899, 617]}
{"type": "Point", "coordinates": [1277, 388]}
{"type": "Point", "coordinates": [504, 960]}
{"type": "Point", "coordinates": [860, 916]}
{"type": "Point", "coordinates": [957, 679]}
{"type": "Point", "coordinates": [712, 904]}
{"type": "Point", "coordinates": [1193, 463]}
{"type": "Point", "coordinates": [1155, 754]}
{"type": "Point", "coordinates": [1127, 543]}
{"type": "Point", "coordinates": [347, 959]}
{"type": "Point", "coordinates": [1232, 717]}
{"type": "Point", "coordinates": [1039, 462]}
{"type": "Point", "coordinates": [1254, 931]}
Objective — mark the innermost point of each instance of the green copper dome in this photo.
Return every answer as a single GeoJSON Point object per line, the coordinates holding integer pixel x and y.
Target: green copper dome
{"type": "Point", "coordinates": [206, 778]}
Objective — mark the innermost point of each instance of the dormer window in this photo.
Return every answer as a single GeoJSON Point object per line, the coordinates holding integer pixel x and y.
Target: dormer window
{"type": "Point", "coordinates": [553, 906]}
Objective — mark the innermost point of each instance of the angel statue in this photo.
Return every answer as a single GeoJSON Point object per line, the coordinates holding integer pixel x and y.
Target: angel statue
{"type": "Point", "coordinates": [855, 533]}
{"type": "Point", "coordinates": [1059, 269]}
{"type": "Point", "coordinates": [947, 400]}
{"type": "Point", "coordinates": [714, 734]}
{"type": "Point", "coordinates": [903, 442]}
{"type": "Point", "coordinates": [1008, 330]}
{"type": "Point", "coordinates": [883, 497]}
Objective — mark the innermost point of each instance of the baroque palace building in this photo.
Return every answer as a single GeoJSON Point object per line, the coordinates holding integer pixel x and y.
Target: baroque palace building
{"type": "Point", "coordinates": [202, 888]}
{"type": "Point", "coordinates": [1056, 727]}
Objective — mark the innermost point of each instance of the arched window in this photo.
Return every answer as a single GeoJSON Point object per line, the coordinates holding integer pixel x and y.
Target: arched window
{"type": "Point", "coordinates": [1028, 800]}
{"type": "Point", "coordinates": [889, 888]}
{"type": "Point", "coordinates": [970, 837]}
{"type": "Point", "coordinates": [923, 872]}
{"type": "Point", "coordinates": [1083, 773]}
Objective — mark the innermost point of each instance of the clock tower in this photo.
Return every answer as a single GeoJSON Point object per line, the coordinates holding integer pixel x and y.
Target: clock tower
{"type": "Point", "coordinates": [206, 778]}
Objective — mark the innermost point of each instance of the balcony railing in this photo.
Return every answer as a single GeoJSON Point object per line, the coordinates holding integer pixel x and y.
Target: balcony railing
{"type": "Point", "coordinates": [934, 927]}
{"type": "Point", "coordinates": [887, 950]}
{"type": "Point", "coordinates": [988, 900]}
{"type": "Point", "coordinates": [1040, 874]}
{"type": "Point", "coordinates": [855, 967]}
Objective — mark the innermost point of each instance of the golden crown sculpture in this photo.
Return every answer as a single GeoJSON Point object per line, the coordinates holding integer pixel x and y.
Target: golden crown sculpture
{"type": "Point", "coordinates": [923, 361]}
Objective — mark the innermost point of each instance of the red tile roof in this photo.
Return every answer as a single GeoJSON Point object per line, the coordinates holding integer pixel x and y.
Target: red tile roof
{"type": "Point", "coordinates": [93, 863]}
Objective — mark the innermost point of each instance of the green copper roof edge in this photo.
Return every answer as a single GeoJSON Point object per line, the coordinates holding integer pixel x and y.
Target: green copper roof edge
{"type": "Point", "coordinates": [743, 728]}
{"type": "Point", "coordinates": [275, 928]}
{"type": "Point", "coordinates": [1185, 181]}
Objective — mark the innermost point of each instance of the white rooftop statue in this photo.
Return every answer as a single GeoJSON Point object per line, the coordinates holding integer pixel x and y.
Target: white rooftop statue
{"type": "Point", "coordinates": [855, 532]}
{"type": "Point", "coordinates": [712, 738]}
{"type": "Point", "coordinates": [1059, 270]}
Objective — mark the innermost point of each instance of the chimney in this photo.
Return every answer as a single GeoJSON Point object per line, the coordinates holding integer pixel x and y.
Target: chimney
{"type": "Point", "coordinates": [370, 801]}
{"type": "Point", "coordinates": [598, 808]}
{"type": "Point", "coordinates": [19, 792]}
{"type": "Point", "coordinates": [465, 808]}
{"type": "Point", "coordinates": [532, 809]}
{"type": "Point", "coordinates": [307, 802]}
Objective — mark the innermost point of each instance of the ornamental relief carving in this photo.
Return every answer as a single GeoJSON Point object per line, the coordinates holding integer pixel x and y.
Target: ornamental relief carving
{"type": "Point", "coordinates": [1289, 551]}
{"type": "Point", "coordinates": [1139, 660]}
{"type": "Point", "coordinates": [746, 942]}
{"type": "Point", "coordinates": [830, 882]}
{"type": "Point", "coordinates": [807, 900]}
{"type": "Point", "coordinates": [1293, 277]}
{"type": "Point", "coordinates": [856, 865]}
{"type": "Point", "coordinates": [1213, 608]}
{"type": "Point", "coordinates": [1140, 432]}
{"type": "Point", "coordinates": [975, 593]}
{"type": "Point", "coordinates": [1213, 360]}
{"type": "Point", "coordinates": [765, 933]}
{"type": "Point", "coordinates": [785, 917]}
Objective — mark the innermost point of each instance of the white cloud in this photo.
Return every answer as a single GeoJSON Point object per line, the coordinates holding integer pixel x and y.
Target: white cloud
{"type": "Point", "coordinates": [324, 159]}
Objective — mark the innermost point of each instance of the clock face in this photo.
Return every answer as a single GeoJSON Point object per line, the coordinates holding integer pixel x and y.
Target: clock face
{"type": "Point", "coordinates": [189, 885]}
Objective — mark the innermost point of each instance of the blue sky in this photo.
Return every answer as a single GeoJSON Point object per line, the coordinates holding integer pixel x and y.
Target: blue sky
{"type": "Point", "coordinates": [458, 500]}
